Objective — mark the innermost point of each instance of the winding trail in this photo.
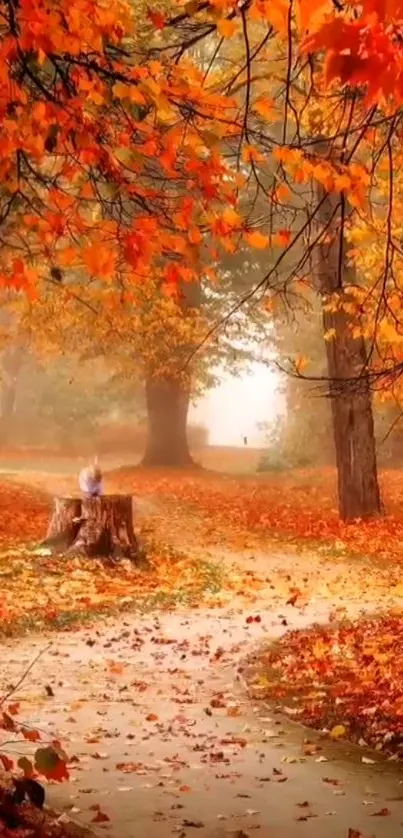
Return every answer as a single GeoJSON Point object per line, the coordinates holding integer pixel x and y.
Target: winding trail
{"type": "Point", "coordinates": [168, 742]}
{"type": "Point", "coordinates": [144, 693]}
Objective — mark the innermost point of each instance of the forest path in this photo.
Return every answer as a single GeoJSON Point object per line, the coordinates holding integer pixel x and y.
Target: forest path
{"type": "Point", "coordinates": [166, 739]}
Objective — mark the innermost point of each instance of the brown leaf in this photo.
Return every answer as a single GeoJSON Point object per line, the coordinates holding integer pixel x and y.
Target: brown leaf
{"type": "Point", "coordinates": [100, 817]}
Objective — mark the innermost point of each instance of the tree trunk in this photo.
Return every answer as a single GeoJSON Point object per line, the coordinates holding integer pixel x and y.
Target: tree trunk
{"type": "Point", "coordinates": [349, 390]}
{"type": "Point", "coordinates": [167, 398]}
{"type": "Point", "coordinates": [167, 411]}
{"type": "Point", "coordinates": [96, 527]}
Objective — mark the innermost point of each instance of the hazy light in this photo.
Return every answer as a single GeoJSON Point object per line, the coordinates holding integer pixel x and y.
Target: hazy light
{"type": "Point", "coordinates": [236, 407]}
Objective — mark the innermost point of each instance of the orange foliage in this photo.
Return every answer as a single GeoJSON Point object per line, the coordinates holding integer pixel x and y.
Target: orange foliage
{"type": "Point", "coordinates": [345, 679]}
{"type": "Point", "coordinates": [78, 122]}
{"type": "Point", "coordinates": [43, 590]}
{"type": "Point", "coordinates": [362, 44]}
{"type": "Point", "coordinates": [298, 507]}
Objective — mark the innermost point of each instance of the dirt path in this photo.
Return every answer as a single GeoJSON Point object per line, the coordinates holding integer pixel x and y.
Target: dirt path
{"type": "Point", "coordinates": [165, 738]}
{"type": "Point", "coordinates": [139, 703]}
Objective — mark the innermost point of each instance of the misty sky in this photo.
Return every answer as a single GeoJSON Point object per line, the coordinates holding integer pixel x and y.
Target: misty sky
{"type": "Point", "coordinates": [234, 409]}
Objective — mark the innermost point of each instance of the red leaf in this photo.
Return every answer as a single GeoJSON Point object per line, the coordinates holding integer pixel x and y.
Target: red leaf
{"type": "Point", "coordinates": [14, 709]}
{"type": "Point", "coordinates": [7, 722]}
{"type": "Point", "coordinates": [157, 18]}
{"type": "Point", "coordinates": [8, 763]}
{"type": "Point", "coordinates": [50, 764]}
{"type": "Point", "coordinates": [31, 735]}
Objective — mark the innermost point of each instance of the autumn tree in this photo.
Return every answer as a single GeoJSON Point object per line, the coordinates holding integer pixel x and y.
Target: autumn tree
{"type": "Point", "coordinates": [124, 164]}
{"type": "Point", "coordinates": [315, 200]}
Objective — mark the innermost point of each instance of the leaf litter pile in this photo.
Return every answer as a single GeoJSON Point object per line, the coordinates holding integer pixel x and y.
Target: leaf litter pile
{"type": "Point", "coordinates": [345, 680]}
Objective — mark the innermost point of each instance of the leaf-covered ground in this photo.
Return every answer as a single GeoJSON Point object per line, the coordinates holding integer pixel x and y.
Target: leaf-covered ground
{"type": "Point", "coordinates": [169, 670]}
{"type": "Point", "coordinates": [298, 507]}
{"type": "Point", "coordinates": [39, 591]}
{"type": "Point", "coordinates": [190, 519]}
{"type": "Point", "coordinates": [346, 680]}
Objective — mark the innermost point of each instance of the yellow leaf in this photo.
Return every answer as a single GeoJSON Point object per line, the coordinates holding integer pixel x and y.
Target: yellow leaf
{"type": "Point", "coordinates": [227, 28]}
{"type": "Point", "coordinates": [338, 732]}
{"type": "Point", "coordinates": [330, 334]}
{"type": "Point", "coordinates": [300, 364]}
{"type": "Point", "coordinates": [257, 240]}
{"type": "Point", "coordinates": [231, 217]}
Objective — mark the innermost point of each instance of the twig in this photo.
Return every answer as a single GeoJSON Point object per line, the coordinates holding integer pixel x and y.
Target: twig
{"type": "Point", "coordinates": [24, 675]}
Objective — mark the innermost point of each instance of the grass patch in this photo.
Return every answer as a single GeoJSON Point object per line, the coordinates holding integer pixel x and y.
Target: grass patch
{"type": "Point", "coordinates": [40, 593]}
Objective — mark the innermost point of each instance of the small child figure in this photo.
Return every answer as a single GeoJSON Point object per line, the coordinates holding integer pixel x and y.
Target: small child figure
{"type": "Point", "coordinates": [90, 480]}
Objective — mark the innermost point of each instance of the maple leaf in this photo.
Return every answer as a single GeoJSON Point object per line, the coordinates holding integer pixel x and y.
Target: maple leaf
{"type": "Point", "coordinates": [51, 764]}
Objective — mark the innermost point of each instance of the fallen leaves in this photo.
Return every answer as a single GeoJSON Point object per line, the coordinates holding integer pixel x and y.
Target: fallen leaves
{"type": "Point", "coordinates": [298, 506]}
{"type": "Point", "coordinates": [39, 590]}
{"type": "Point", "coordinates": [338, 732]}
{"type": "Point", "coordinates": [345, 680]}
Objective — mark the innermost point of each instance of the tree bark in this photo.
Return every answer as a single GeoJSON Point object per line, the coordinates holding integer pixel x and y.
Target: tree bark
{"type": "Point", "coordinates": [349, 390]}
{"type": "Point", "coordinates": [167, 412]}
{"type": "Point", "coordinates": [95, 527]}
{"type": "Point", "coordinates": [168, 397]}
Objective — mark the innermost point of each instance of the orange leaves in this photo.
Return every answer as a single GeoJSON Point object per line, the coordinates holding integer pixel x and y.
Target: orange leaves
{"type": "Point", "coordinates": [352, 179]}
{"type": "Point", "coordinates": [264, 107]}
{"type": "Point", "coordinates": [130, 92]}
{"type": "Point", "coordinates": [100, 261]}
{"type": "Point", "coordinates": [276, 13]}
{"type": "Point", "coordinates": [260, 241]}
{"type": "Point", "coordinates": [360, 51]}
{"type": "Point", "coordinates": [357, 681]}
{"type": "Point", "coordinates": [51, 763]}
{"type": "Point", "coordinates": [227, 28]}
{"type": "Point", "coordinates": [257, 240]}
{"type": "Point", "coordinates": [89, 153]}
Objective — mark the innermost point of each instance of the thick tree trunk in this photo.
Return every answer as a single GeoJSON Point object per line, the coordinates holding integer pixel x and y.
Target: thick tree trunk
{"type": "Point", "coordinates": [353, 425]}
{"type": "Point", "coordinates": [167, 399]}
{"type": "Point", "coordinates": [167, 411]}
{"type": "Point", "coordinates": [97, 527]}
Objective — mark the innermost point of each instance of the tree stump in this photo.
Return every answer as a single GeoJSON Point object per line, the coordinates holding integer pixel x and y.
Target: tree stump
{"type": "Point", "coordinates": [98, 527]}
